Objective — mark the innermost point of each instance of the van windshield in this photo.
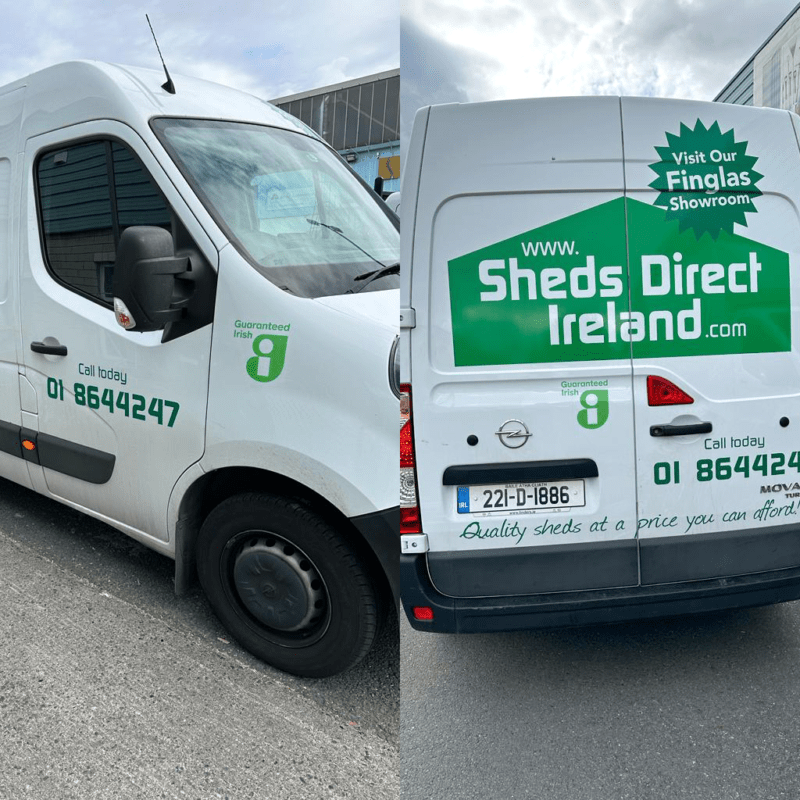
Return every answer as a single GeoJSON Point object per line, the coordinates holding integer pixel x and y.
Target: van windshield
{"type": "Point", "coordinates": [288, 203]}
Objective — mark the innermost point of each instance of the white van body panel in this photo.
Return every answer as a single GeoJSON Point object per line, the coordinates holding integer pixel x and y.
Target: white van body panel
{"type": "Point", "coordinates": [12, 394]}
{"type": "Point", "coordinates": [562, 260]}
{"type": "Point", "coordinates": [79, 91]}
{"type": "Point", "coordinates": [327, 438]}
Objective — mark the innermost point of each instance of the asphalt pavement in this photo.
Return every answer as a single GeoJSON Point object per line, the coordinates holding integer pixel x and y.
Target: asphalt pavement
{"type": "Point", "coordinates": [111, 687]}
{"type": "Point", "coordinates": [692, 708]}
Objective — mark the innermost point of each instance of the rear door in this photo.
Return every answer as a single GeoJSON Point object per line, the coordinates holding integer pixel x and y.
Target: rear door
{"type": "Point", "coordinates": [714, 239]}
{"type": "Point", "coordinates": [520, 358]}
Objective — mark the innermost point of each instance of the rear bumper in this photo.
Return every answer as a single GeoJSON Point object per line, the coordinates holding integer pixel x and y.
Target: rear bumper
{"type": "Point", "coordinates": [565, 609]}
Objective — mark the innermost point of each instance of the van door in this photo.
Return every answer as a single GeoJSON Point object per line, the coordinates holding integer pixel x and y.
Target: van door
{"type": "Point", "coordinates": [520, 360]}
{"type": "Point", "coordinates": [714, 238]}
{"type": "Point", "coordinates": [120, 414]}
{"type": "Point", "coordinates": [14, 390]}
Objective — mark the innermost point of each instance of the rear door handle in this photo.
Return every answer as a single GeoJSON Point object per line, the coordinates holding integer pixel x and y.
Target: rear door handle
{"type": "Point", "coordinates": [680, 430]}
{"type": "Point", "coordinates": [49, 349]}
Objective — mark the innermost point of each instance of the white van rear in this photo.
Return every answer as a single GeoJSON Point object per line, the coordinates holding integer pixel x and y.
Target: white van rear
{"type": "Point", "coordinates": [600, 361]}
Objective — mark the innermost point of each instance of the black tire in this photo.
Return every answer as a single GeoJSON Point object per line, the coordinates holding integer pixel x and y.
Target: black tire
{"type": "Point", "coordinates": [286, 586]}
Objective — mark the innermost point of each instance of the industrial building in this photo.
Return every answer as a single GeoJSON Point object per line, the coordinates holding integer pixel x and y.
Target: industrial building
{"type": "Point", "coordinates": [771, 76]}
{"type": "Point", "coordinates": [358, 118]}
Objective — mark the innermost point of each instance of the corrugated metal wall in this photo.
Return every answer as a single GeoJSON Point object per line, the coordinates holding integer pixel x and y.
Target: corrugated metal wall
{"type": "Point", "coordinates": [360, 120]}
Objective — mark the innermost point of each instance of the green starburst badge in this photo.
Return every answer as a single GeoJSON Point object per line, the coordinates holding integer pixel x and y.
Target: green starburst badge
{"type": "Point", "coordinates": [705, 180]}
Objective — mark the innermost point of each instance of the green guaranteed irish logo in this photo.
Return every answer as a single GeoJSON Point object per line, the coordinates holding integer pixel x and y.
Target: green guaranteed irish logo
{"type": "Point", "coordinates": [270, 355]}
{"type": "Point", "coordinates": [594, 408]}
{"type": "Point", "coordinates": [706, 179]}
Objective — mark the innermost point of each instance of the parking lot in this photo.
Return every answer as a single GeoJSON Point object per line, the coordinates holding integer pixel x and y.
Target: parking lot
{"type": "Point", "coordinates": [112, 687]}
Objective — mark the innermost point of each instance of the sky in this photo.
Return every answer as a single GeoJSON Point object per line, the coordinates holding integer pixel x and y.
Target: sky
{"type": "Point", "coordinates": [449, 50]}
{"type": "Point", "coordinates": [270, 48]}
{"type": "Point", "coordinates": [475, 50]}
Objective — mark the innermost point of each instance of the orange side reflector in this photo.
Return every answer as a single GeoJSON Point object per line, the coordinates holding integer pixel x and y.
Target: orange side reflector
{"type": "Point", "coordinates": [28, 444]}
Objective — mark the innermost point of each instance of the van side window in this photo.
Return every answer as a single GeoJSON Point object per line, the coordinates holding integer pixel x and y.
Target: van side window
{"type": "Point", "coordinates": [88, 194]}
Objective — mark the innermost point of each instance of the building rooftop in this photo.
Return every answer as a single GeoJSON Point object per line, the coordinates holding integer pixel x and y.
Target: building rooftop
{"type": "Point", "coordinates": [333, 87]}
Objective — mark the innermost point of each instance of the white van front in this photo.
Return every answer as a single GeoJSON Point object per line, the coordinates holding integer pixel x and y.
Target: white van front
{"type": "Point", "coordinates": [599, 354]}
{"type": "Point", "coordinates": [201, 314]}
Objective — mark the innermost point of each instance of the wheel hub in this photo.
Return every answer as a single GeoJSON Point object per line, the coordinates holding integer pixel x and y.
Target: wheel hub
{"type": "Point", "coordinates": [278, 585]}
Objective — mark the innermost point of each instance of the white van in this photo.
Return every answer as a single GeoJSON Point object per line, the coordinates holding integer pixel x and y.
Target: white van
{"type": "Point", "coordinates": [600, 359]}
{"type": "Point", "coordinates": [198, 311]}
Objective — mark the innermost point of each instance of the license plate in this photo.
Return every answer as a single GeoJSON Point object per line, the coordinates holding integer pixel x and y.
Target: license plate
{"type": "Point", "coordinates": [518, 497]}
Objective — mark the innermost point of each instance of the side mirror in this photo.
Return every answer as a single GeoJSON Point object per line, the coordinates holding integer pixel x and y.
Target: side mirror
{"type": "Point", "coordinates": [393, 201]}
{"type": "Point", "coordinates": [145, 282]}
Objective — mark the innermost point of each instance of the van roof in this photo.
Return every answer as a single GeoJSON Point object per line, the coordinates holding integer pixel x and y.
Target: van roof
{"type": "Point", "coordinates": [79, 91]}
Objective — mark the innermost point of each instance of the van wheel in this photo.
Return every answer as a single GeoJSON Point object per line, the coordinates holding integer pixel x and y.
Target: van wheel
{"type": "Point", "coordinates": [286, 586]}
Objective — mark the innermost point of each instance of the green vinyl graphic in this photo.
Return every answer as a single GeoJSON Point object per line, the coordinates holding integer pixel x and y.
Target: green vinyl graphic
{"type": "Point", "coordinates": [562, 292]}
{"type": "Point", "coordinates": [706, 179]}
{"type": "Point", "coordinates": [594, 408]}
{"type": "Point", "coordinates": [269, 358]}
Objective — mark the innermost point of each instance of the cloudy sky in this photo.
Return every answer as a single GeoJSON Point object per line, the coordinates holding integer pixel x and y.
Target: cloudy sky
{"type": "Point", "coordinates": [452, 50]}
{"type": "Point", "coordinates": [472, 50]}
{"type": "Point", "coordinates": [270, 48]}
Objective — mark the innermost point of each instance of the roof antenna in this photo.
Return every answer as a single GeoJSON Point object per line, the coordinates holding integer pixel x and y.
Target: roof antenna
{"type": "Point", "coordinates": [169, 86]}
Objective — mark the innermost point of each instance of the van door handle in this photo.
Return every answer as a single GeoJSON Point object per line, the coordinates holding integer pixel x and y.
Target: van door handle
{"type": "Point", "coordinates": [680, 430]}
{"type": "Point", "coordinates": [49, 349]}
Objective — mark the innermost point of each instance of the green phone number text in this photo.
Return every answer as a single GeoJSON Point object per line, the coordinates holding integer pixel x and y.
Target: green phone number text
{"type": "Point", "coordinates": [165, 412]}
{"type": "Point", "coordinates": [727, 467]}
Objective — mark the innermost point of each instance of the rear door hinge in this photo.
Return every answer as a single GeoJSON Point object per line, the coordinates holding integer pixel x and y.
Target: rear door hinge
{"type": "Point", "coordinates": [408, 318]}
{"type": "Point", "coordinates": [412, 544]}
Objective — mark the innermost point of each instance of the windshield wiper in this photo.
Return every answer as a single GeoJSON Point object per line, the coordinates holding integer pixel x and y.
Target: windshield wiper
{"type": "Point", "coordinates": [346, 238]}
{"type": "Point", "coordinates": [368, 277]}
{"type": "Point", "coordinates": [372, 275]}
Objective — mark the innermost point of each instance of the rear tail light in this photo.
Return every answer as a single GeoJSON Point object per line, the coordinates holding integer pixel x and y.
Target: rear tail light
{"type": "Point", "coordinates": [661, 392]}
{"type": "Point", "coordinates": [409, 508]}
